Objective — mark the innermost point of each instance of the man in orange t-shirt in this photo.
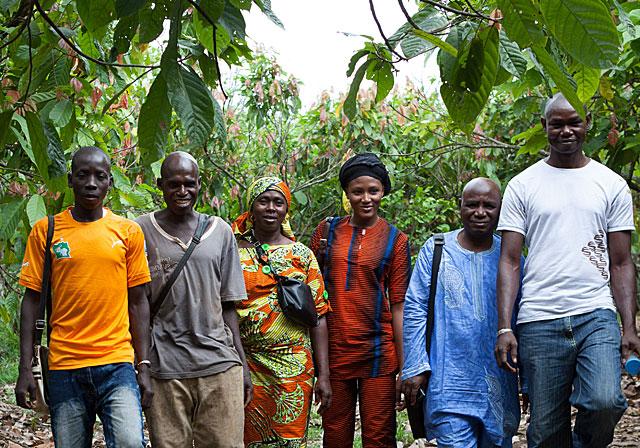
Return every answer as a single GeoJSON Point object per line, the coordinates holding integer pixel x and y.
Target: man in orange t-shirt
{"type": "Point", "coordinates": [99, 315]}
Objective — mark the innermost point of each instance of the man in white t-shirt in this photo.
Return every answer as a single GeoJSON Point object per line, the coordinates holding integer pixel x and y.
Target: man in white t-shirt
{"type": "Point", "coordinates": [576, 217]}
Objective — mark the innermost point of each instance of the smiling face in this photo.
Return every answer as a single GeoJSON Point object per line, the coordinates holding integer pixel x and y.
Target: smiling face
{"type": "Point", "coordinates": [565, 129]}
{"type": "Point", "coordinates": [480, 208]}
{"type": "Point", "coordinates": [268, 211]}
{"type": "Point", "coordinates": [90, 178]}
{"type": "Point", "coordinates": [180, 184]}
{"type": "Point", "coordinates": [364, 194]}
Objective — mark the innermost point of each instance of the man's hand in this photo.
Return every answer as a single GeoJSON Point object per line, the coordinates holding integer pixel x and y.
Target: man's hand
{"type": "Point", "coordinates": [411, 388]}
{"type": "Point", "coordinates": [144, 383]}
{"type": "Point", "coordinates": [505, 345]}
{"type": "Point", "coordinates": [629, 345]}
{"type": "Point", "coordinates": [400, 402]}
{"type": "Point", "coordinates": [323, 393]}
{"type": "Point", "coordinates": [26, 385]}
{"type": "Point", "coordinates": [247, 385]}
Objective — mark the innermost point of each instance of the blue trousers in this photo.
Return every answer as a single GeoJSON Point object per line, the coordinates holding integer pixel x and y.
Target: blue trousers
{"type": "Point", "coordinates": [463, 431]}
{"type": "Point", "coordinates": [110, 391]}
{"type": "Point", "coordinates": [573, 361]}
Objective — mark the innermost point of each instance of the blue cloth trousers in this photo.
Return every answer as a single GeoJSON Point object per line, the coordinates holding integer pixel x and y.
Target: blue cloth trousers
{"type": "Point", "coordinates": [109, 391]}
{"type": "Point", "coordinates": [573, 361]}
{"type": "Point", "coordinates": [462, 431]}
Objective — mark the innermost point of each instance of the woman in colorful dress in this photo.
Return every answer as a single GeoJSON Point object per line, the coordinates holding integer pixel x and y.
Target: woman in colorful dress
{"type": "Point", "coordinates": [280, 353]}
{"type": "Point", "coordinates": [366, 267]}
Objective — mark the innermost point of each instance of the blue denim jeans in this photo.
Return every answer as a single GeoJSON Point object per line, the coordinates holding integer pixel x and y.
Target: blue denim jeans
{"type": "Point", "coordinates": [573, 361]}
{"type": "Point", "coordinates": [110, 391]}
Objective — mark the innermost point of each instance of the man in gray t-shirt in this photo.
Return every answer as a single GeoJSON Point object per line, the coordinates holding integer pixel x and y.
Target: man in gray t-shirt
{"type": "Point", "coordinates": [576, 218]}
{"type": "Point", "coordinates": [200, 378]}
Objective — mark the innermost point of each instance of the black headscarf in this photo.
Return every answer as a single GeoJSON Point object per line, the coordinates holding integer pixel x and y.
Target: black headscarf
{"type": "Point", "coordinates": [365, 164]}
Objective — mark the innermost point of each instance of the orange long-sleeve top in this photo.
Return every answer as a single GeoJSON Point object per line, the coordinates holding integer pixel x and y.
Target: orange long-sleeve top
{"type": "Point", "coordinates": [366, 270]}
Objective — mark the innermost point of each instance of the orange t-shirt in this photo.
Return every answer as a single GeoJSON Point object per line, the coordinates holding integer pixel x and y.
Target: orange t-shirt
{"type": "Point", "coordinates": [93, 265]}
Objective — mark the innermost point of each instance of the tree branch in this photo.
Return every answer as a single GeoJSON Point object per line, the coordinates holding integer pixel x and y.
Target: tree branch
{"type": "Point", "coordinates": [455, 11]}
{"type": "Point", "coordinates": [215, 43]}
{"type": "Point", "coordinates": [384, 37]}
{"type": "Point", "coordinates": [78, 50]}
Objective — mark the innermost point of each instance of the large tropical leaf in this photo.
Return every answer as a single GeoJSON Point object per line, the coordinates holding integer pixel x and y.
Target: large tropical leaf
{"type": "Point", "coordinates": [585, 29]}
{"type": "Point", "coordinates": [350, 107]}
{"type": "Point", "coordinates": [559, 78]}
{"type": "Point", "coordinates": [36, 209]}
{"type": "Point", "coordinates": [418, 41]}
{"type": "Point", "coordinates": [10, 216]}
{"type": "Point", "coordinates": [154, 122]}
{"type": "Point", "coordinates": [265, 7]}
{"type": "Point", "coordinates": [96, 13]}
{"type": "Point", "coordinates": [381, 73]}
{"type": "Point", "coordinates": [465, 105]}
{"type": "Point", "coordinates": [192, 102]}
{"type": "Point", "coordinates": [587, 82]}
{"type": "Point", "coordinates": [511, 58]}
{"type": "Point", "coordinates": [521, 22]}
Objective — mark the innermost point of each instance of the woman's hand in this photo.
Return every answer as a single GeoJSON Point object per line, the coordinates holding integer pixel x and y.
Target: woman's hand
{"type": "Point", "coordinates": [323, 393]}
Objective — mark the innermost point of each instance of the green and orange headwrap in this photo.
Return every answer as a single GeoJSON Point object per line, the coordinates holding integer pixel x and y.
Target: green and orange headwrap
{"type": "Point", "coordinates": [243, 223]}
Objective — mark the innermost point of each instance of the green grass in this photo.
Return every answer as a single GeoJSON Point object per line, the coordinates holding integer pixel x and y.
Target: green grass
{"type": "Point", "coordinates": [9, 355]}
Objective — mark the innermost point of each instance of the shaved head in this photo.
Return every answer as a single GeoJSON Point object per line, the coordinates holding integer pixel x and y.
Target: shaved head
{"type": "Point", "coordinates": [178, 160]}
{"type": "Point", "coordinates": [481, 185]}
{"type": "Point", "coordinates": [86, 150]}
{"type": "Point", "coordinates": [558, 101]}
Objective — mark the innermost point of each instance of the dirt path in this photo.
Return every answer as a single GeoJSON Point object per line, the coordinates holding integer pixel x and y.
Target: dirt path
{"type": "Point", "coordinates": [20, 428]}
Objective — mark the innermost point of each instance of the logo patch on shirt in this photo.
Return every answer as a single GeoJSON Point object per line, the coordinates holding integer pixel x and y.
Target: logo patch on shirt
{"type": "Point", "coordinates": [61, 249]}
{"type": "Point", "coordinates": [596, 251]}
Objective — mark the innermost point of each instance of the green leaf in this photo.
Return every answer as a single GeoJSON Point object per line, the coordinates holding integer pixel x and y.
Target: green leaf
{"type": "Point", "coordinates": [154, 122]}
{"type": "Point", "coordinates": [436, 41]}
{"type": "Point", "coordinates": [265, 7]}
{"type": "Point", "coordinates": [124, 32]}
{"type": "Point", "coordinates": [354, 60]}
{"type": "Point", "coordinates": [96, 13]}
{"type": "Point", "coordinates": [61, 72]}
{"type": "Point", "coordinates": [192, 102]}
{"type": "Point", "coordinates": [61, 113]}
{"type": "Point", "coordinates": [233, 22]}
{"type": "Point", "coordinates": [218, 121]}
{"type": "Point", "coordinates": [301, 198]}
{"type": "Point", "coordinates": [11, 216]}
{"type": "Point", "coordinates": [213, 8]}
{"type": "Point", "coordinates": [448, 62]}
{"type": "Point", "coordinates": [381, 73]}
{"type": "Point", "coordinates": [152, 21]}
{"type": "Point", "coordinates": [36, 210]}
{"type": "Point", "coordinates": [464, 106]}
{"type": "Point", "coordinates": [511, 58]}
{"type": "Point", "coordinates": [204, 33]}
{"type": "Point", "coordinates": [350, 107]}
{"type": "Point", "coordinates": [126, 8]}
{"type": "Point", "coordinates": [208, 69]}
{"type": "Point", "coordinates": [585, 30]}
{"type": "Point", "coordinates": [55, 152]}
{"type": "Point", "coordinates": [5, 122]}
{"type": "Point", "coordinates": [469, 73]}
{"type": "Point", "coordinates": [418, 18]}
{"type": "Point", "coordinates": [241, 4]}
{"type": "Point", "coordinates": [120, 180]}
{"type": "Point", "coordinates": [38, 144]}
{"type": "Point", "coordinates": [558, 76]}
{"type": "Point", "coordinates": [522, 22]}
{"type": "Point", "coordinates": [587, 82]}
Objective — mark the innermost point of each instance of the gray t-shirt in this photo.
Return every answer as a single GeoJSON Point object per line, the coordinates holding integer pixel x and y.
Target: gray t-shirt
{"type": "Point", "coordinates": [565, 216]}
{"type": "Point", "coordinates": [189, 338]}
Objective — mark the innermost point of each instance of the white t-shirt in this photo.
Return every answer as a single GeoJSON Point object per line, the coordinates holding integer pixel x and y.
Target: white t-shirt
{"type": "Point", "coordinates": [565, 215]}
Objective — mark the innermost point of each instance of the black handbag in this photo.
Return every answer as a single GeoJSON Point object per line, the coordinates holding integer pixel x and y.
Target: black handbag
{"type": "Point", "coordinates": [416, 412]}
{"type": "Point", "coordinates": [294, 296]}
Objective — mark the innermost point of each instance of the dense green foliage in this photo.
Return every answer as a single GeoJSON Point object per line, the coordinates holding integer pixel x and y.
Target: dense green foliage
{"type": "Point", "coordinates": [105, 72]}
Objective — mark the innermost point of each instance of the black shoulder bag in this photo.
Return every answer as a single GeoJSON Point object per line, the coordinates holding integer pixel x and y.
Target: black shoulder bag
{"type": "Point", "coordinates": [39, 363]}
{"type": "Point", "coordinates": [416, 412]}
{"type": "Point", "coordinates": [203, 221]}
{"type": "Point", "coordinates": [294, 296]}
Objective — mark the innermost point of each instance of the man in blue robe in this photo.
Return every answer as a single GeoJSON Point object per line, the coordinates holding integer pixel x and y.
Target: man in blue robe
{"type": "Point", "coordinates": [470, 402]}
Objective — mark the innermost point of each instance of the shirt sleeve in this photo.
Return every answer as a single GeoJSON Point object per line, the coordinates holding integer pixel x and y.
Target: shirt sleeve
{"type": "Point", "coordinates": [232, 286]}
{"type": "Point", "coordinates": [513, 216]}
{"type": "Point", "coordinates": [399, 269]}
{"type": "Point", "coordinates": [620, 216]}
{"type": "Point", "coordinates": [136, 258]}
{"type": "Point", "coordinates": [33, 262]}
{"type": "Point", "coordinates": [316, 236]}
{"type": "Point", "coordinates": [414, 320]}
